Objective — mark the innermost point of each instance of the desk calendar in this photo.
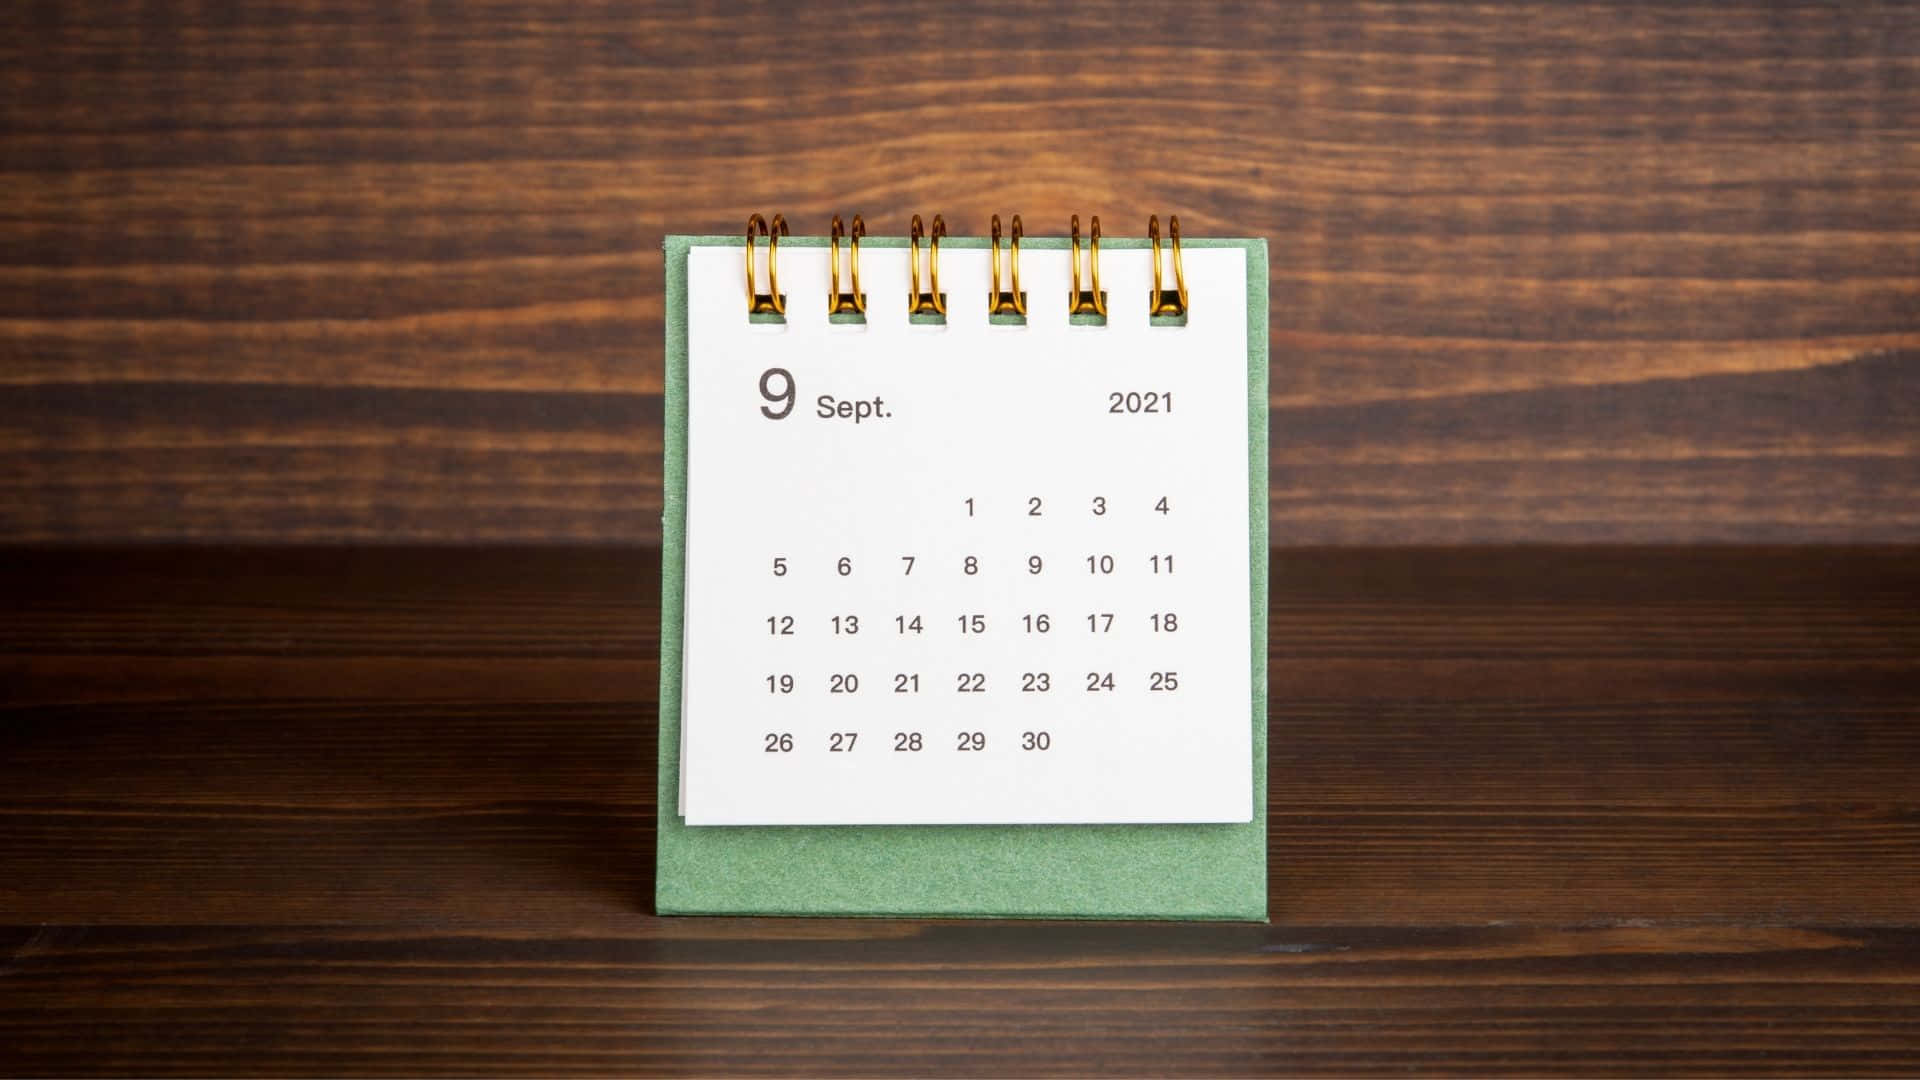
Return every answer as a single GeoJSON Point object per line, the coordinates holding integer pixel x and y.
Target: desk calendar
{"type": "Point", "coordinates": [966, 540]}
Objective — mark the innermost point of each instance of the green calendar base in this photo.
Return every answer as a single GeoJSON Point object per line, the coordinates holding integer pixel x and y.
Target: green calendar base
{"type": "Point", "coordinates": [958, 871]}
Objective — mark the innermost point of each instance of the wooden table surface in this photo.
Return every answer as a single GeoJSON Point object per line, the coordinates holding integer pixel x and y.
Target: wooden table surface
{"type": "Point", "coordinates": [330, 421]}
{"type": "Point", "coordinates": [378, 811]}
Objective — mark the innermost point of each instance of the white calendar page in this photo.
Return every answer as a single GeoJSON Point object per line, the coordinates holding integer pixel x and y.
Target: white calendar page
{"type": "Point", "coordinates": [966, 574]}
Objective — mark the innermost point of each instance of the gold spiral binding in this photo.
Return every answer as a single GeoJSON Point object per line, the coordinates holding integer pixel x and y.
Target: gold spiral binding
{"type": "Point", "coordinates": [771, 302]}
{"type": "Point", "coordinates": [1087, 301]}
{"type": "Point", "coordinates": [932, 302]}
{"type": "Point", "coordinates": [1007, 301]}
{"type": "Point", "coordinates": [846, 303]}
{"type": "Point", "coordinates": [1162, 302]}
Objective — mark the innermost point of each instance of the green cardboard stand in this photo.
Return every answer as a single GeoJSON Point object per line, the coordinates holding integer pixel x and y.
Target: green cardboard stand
{"type": "Point", "coordinates": [959, 871]}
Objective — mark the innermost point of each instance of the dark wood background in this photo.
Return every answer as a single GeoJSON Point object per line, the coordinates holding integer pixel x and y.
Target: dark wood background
{"type": "Point", "coordinates": [330, 375]}
{"type": "Point", "coordinates": [358, 810]}
{"type": "Point", "coordinates": [365, 270]}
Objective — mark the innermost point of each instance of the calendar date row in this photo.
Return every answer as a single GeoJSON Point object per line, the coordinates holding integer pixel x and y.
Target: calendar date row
{"type": "Point", "coordinates": [974, 624]}
{"type": "Point", "coordinates": [903, 742]}
{"type": "Point", "coordinates": [975, 682]}
{"type": "Point", "coordinates": [1097, 564]}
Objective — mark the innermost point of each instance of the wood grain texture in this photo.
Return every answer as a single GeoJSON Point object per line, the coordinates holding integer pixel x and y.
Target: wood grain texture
{"type": "Point", "coordinates": [766, 997]}
{"type": "Point", "coordinates": [375, 271]}
{"type": "Point", "coordinates": [331, 810]}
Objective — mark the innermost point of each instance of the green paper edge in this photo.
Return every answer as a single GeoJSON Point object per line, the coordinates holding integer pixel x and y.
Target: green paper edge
{"type": "Point", "coordinates": [1175, 872]}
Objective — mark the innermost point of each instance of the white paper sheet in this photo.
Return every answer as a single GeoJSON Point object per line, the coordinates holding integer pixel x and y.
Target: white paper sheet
{"type": "Point", "coordinates": [924, 419]}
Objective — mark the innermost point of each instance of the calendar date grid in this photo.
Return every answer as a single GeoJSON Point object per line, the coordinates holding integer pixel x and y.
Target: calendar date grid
{"type": "Point", "coordinates": [927, 650]}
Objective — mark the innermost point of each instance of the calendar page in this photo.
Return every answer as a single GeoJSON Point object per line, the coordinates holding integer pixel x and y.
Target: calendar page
{"type": "Point", "coordinates": [966, 573]}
